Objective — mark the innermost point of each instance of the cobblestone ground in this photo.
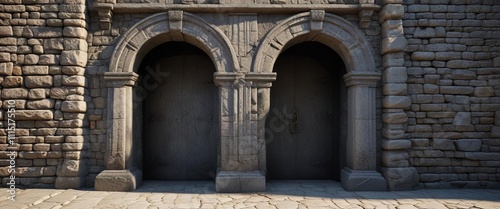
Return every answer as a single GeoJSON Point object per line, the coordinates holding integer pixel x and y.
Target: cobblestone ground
{"type": "Point", "coordinates": [280, 194]}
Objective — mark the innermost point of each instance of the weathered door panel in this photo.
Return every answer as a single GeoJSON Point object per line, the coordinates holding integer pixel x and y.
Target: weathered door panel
{"type": "Point", "coordinates": [303, 119]}
{"type": "Point", "coordinates": [180, 138]}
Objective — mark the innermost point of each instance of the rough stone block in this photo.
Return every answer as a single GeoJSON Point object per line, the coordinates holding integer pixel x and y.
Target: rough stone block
{"type": "Point", "coordinates": [74, 106]}
{"type": "Point", "coordinates": [420, 142]}
{"type": "Point", "coordinates": [495, 131]}
{"type": "Point", "coordinates": [496, 62]}
{"type": "Point", "coordinates": [484, 91]}
{"type": "Point", "coordinates": [395, 89]}
{"type": "Point", "coordinates": [393, 44]}
{"type": "Point", "coordinates": [73, 70]}
{"type": "Point", "coordinates": [4, 56]}
{"type": "Point", "coordinates": [76, 32]}
{"type": "Point", "coordinates": [395, 118]}
{"type": "Point", "coordinates": [427, 32]}
{"type": "Point", "coordinates": [443, 144]}
{"type": "Point", "coordinates": [36, 94]}
{"type": "Point", "coordinates": [396, 144]}
{"type": "Point", "coordinates": [491, 156]}
{"type": "Point", "coordinates": [466, 90]}
{"type": "Point", "coordinates": [421, 56]}
{"type": "Point", "coordinates": [75, 80]}
{"type": "Point", "coordinates": [34, 115]}
{"type": "Point", "coordinates": [251, 181]}
{"type": "Point", "coordinates": [29, 171]}
{"type": "Point", "coordinates": [70, 182]}
{"type": "Point", "coordinates": [6, 31]}
{"type": "Point", "coordinates": [6, 68]}
{"type": "Point", "coordinates": [401, 178]}
{"type": "Point", "coordinates": [462, 118]}
{"type": "Point", "coordinates": [74, 57]}
{"type": "Point", "coordinates": [38, 81]}
{"type": "Point", "coordinates": [396, 102]}
{"type": "Point", "coordinates": [357, 180]}
{"type": "Point", "coordinates": [395, 75]}
{"type": "Point", "coordinates": [470, 145]}
{"type": "Point", "coordinates": [395, 158]}
{"type": "Point", "coordinates": [40, 104]}
{"type": "Point", "coordinates": [12, 81]}
{"type": "Point", "coordinates": [14, 93]}
{"type": "Point", "coordinates": [391, 11]}
{"type": "Point", "coordinates": [35, 70]}
{"type": "Point", "coordinates": [118, 180]}
{"type": "Point", "coordinates": [458, 64]}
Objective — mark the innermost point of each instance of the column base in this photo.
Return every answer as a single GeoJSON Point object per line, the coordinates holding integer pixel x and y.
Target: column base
{"type": "Point", "coordinates": [362, 180]}
{"type": "Point", "coordinates": [118, 180]}
{"type": "Point", "coordinates": [231, 181]}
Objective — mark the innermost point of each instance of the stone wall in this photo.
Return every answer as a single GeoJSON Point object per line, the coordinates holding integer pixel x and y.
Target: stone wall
{"type": "Point", "coordinates": [43, 52]}
{"type": "Point", "coordinates": [453, 60]}
{"type": "Point", "coordinates": [438, 104]}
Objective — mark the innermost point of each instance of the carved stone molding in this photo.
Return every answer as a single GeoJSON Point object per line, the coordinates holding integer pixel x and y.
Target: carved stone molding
{"type": "Point", "coordinates": [362, 78]}
{"type": "Point", "coordinates": [105, 12]}
{"type": "Point", "coordinates": [120, 79]}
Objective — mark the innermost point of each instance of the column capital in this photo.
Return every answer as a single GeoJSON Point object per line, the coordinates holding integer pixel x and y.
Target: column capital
{"type": "Point", "coordinates": [362, 78]}
{"type": "Point", "coordinates": [261, 80]}
{"type": "Point", "coordinates": [224, 79]}
{"type": "Point", "coordinates": [120, 79]}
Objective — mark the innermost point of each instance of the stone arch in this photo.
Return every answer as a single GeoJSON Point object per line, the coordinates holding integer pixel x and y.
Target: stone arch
{"type": "Point", "coordinates": [337, 33]}
{"type": "Point", "coordinates": [173, 26]}
{"type": "Point", "coordinates": [361, 82]}
{"type": "Point", "coordinates": [121, 174]}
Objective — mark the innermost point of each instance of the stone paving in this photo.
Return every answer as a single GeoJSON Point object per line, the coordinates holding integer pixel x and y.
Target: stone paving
{"type": "Point", "coordinates": [280, 194]}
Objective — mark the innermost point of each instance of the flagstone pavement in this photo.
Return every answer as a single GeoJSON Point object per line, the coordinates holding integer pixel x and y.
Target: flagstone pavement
{"type": "Point", "coordinates": [279, 194]}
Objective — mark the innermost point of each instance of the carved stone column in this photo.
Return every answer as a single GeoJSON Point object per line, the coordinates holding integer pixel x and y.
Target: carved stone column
{"type": "Point", "coordinates": [117, 176]}
{"type": "Point", "coordinates": [360, 173]}
{"type": "Point", "coordinates": [261, 87]}
{"type": "Point", "coordinates": [239, 155]}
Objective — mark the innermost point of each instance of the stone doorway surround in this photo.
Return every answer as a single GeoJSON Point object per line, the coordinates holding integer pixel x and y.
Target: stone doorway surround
{"type": "Point", "coordinates": [243, 96]}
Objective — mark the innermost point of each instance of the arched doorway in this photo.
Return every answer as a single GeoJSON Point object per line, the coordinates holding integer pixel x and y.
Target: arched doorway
{"type": "Point", "coordinates": [304, 120]}
{"type": "Point", "coordinates": [179, 113]}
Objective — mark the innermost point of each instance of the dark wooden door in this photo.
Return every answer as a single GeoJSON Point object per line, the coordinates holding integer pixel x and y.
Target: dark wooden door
{"type": "Point", "coordinates": [179, 139]}
{"type": "Point", "coordinates": [303, 119]}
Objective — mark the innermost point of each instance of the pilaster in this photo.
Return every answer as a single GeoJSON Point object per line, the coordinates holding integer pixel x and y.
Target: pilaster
{"type": "Point", "coordinates": [395, 156]}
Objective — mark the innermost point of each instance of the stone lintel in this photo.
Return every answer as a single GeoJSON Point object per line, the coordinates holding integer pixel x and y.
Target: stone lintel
{"type": "Point", "coordinates": [362, 180]}
{"type": "Point", "coordinates": [118, 180]}
{"type": "Point", "coordinates": [232, 181]}
{"type": "Point", "coordinates": [120, 79]}
{"type": "Point", "coordinates": [365, 78]}
{"type": "Point", "coordinates": [134, 8]}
